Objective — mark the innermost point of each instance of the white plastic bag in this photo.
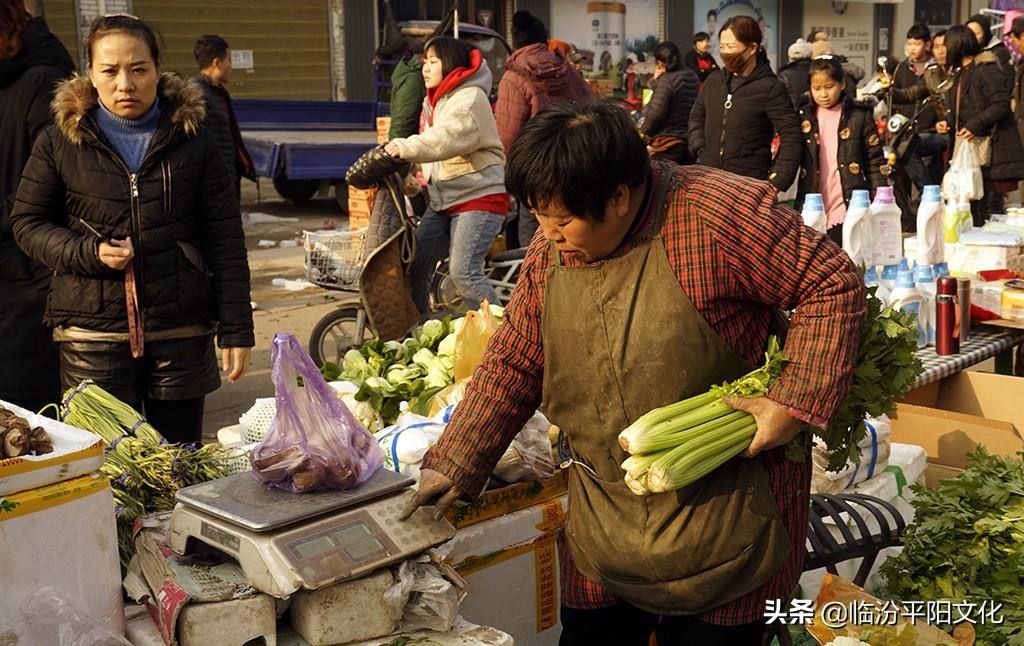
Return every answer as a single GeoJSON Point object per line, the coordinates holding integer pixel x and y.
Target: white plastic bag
{"type": "Point", "coordinates": [406, 442]}
{"type": "Point", "coordinates": [874, 458]}
{"type": "Point", "coordinates": [56, 620]}
{"type": "Point", "coordinates": [964, 174]}
{"type": "Point", "coordinates": [426, 594]}
{"type": "Point", "coordinates": [529, 456]}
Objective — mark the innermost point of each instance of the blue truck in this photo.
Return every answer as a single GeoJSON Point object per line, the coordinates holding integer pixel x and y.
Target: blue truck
{"type": "Point", "coordinates": [300, 144]}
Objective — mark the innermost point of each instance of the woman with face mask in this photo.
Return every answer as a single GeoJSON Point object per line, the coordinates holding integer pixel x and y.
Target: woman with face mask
{"type": "Point", "coordinates": [742, 108]}
{"type": "Point", "coordinates": [129, 201]}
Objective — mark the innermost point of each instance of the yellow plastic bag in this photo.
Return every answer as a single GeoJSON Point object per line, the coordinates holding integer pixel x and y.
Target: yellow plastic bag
{"type": "Point", "coordinates": [840, 599]}
{"type": "Point", "coordinates": [479, 327]}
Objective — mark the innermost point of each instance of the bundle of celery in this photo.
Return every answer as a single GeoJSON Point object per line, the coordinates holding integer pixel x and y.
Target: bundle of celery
{"type": "Point", "coordinates": [676, 445]}
{"type": "Point", "coordinates": [144, 470]}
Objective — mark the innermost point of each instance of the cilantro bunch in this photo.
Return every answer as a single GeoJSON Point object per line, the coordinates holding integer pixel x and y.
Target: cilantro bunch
{"type": "Point", "coordinates": [886, 368]}
{"type": "Point", "coordinates": [967, 545]}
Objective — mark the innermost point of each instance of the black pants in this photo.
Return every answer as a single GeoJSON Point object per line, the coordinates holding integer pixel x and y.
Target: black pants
{"type": "Point", "coordinates": [626, 625]}
{"type": "Point", "coordinates": [178, 420]}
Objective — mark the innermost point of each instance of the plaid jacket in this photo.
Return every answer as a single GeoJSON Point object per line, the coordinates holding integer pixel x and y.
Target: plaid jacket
{"type": "Point", "coordinates": [741, 259]}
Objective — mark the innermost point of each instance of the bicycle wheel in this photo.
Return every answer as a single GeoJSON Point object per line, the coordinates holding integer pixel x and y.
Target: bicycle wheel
{"type": "Point", "coordinates": [444, 295]}
{"type": "Point", "coordinates": [337, 333]}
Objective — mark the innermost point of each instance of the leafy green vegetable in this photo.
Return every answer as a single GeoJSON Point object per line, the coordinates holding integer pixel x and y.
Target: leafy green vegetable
{"type": "Point", "coordinates": [330, 371]}
{"type": "Point", "coordinates": [966, 544]}
{"type": "Point", "coordinates": [886, 368]}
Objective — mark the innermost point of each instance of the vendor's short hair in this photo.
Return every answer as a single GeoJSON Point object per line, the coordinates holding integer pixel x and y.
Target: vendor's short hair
{"type": "Point", "coordinates": [209, 48]}
{"type": "Point", "coordinates": [919, 32]}
{"type": "Point", "coordinates": [576, 154]}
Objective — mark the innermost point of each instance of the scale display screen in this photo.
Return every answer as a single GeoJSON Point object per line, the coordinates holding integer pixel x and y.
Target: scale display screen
{"type": "Point", "coordinates": [356, 541]}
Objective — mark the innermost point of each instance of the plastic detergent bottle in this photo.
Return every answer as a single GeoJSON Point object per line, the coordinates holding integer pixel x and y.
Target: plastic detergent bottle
{"type": "Point", "coordinates": [950, 221]}
{"type": "Point", "coordinates": [964, 211]}
{"type": "Point", "coordinates": [857, 231]}
{"type": "Point", "coordinates": [941, 269]}
{"type": "Point", "coordinates": [931, 243]}
{"type": "Point", "coordinates": [924, 280]}
{"type": "Point", "coordinates": [871, 280]}
{"type": "Point", "coordinates": [888, 279]}
{"type": "Point", "coordinates": [814, 212]}
{"type": "Point", "coordinates": [906, 297]}
{"type": "Point", "coordinates": [885, 222]}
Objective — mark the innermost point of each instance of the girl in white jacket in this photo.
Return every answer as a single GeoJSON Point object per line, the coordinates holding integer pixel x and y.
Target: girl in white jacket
{"type": "Point", "coordinates": [464, 164]}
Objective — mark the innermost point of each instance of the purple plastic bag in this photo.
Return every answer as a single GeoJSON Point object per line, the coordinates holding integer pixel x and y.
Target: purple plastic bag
{"type": "Point", "coordinates": [313, 442]}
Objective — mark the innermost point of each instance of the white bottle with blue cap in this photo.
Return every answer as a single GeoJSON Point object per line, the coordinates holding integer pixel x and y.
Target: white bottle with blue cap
{"type": "Point", "coordinates": [871, 280]}
{"type": "Point", "coordinates": [887, 227]}
{"type": "Point", "coordinates": [858, 239]}
{"type": "Point", "coordinates": [813, 212]}
{"type": "Point", "coordinates": [924, 280]}
{"type": "Point", "coordinates": [931, 239]}
{"type": "Point", "coordinates": [907, 298]}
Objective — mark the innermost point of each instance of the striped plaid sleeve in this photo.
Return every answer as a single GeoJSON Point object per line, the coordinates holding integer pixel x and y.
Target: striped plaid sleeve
{"type": "Point", "coordinates": [505, 390]}
{"type": "Point", "coordinates": [774, 259]}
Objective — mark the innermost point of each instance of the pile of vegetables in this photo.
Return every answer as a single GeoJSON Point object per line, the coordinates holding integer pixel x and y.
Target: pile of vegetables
{"type": "Point", "coordinates": [144, 470]}
{"type": "Point", "coordinates": [966, 544]}
{"type": "Point", "coordinates": [18, 438]}
{"type": "Point", "coordinates": [676, 445]}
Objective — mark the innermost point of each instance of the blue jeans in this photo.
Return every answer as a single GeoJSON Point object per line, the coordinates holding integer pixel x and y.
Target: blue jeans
{"type": "Point", "coordinates": [464, 239]}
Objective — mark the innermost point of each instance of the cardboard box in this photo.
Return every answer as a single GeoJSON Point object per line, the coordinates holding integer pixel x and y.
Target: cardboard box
{"type": "Point", "coordinates": [951, 417]}
{"type": "Point", "coordinates": [383, 126]}
{"type": "Point", "coordinates": [62, 536]}
{"type": "Point", "coordinates": [498, 502]}
{"type": "Point", "coordinates": [510, 563]}
{"type": "Point", "coordinates": [75, 453]}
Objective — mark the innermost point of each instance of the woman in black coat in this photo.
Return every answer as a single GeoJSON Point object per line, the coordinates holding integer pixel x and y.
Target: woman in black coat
{"type": "Point", "coordinates": [668, 113]}
{"type": "Point", "coordinates": [978, 105]}
{"type": "Point", "coordinates": [128, 200]}
{"type": "Point", "coordinates": [27, 77]}
{"type": "Point", "coordinates": [740, 110]}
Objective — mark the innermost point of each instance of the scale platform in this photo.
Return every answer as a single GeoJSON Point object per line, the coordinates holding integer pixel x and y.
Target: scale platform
{"type": "Point", "coordinates": [285, 542]}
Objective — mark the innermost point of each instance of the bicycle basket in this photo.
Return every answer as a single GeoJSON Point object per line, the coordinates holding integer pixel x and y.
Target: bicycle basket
{"type": "Point", "coordinates": [334, 259]}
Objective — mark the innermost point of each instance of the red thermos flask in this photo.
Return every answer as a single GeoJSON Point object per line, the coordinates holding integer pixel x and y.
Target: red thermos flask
{"type": "Point", "coordinates": [947, 317]}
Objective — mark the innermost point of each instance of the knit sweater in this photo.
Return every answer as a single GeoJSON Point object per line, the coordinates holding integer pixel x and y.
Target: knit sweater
{"type": "Point", "coordinates": [129, 137]}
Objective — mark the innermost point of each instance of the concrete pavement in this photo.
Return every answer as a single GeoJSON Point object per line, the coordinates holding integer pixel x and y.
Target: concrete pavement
{"type": "Point", "coordinates": [277, 309]}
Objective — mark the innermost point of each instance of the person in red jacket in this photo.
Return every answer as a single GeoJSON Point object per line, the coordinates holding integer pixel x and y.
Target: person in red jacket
{"type": "Point", "coordinates": [534, 78]}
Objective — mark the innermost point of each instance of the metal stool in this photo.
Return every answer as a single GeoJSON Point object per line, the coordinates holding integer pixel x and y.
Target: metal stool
{"type": "Point", "coordinates": [827, 551]}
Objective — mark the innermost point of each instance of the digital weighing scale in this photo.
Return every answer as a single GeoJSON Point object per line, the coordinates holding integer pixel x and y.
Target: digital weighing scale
{"type": "Point", "coordinates": [285, 541]}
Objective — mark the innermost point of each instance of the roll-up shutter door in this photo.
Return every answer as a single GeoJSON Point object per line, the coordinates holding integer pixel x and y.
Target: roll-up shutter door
{"type": "Point", "coordinates": [289, 42]}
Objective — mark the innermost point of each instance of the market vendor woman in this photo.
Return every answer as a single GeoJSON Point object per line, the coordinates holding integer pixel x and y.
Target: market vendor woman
{"type": "Point", "coordinates": [651, 283]}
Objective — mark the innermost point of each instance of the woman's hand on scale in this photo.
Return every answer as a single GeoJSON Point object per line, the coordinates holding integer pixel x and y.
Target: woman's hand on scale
{"type": "Point", "coordinates": [116, 254]}
{"type": "Point", "coordinates": [433, 484]}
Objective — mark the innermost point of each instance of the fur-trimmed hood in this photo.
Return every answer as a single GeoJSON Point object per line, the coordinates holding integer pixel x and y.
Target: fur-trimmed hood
{"type": "Point", "coordinates": [180, 99]}
{"type": "Point", "coordinates": [986, 57]}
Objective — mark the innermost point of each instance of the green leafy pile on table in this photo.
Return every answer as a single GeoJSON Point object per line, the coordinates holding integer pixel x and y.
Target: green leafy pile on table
{"type": "Point", "coordinates": [966, 544]}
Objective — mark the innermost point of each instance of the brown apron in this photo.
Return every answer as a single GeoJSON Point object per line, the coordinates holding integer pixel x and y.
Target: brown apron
{"type": "Point", "coordinates": [620, 338]}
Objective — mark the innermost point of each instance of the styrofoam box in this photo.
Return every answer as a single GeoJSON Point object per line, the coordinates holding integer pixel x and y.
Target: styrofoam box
{"type": "Point", "coordinates": [463, 634]}
{"type": "Point", "coordinates": [912, 461]}
{"type": "Point", "coordinates": [346, 612]}
{"type": "Point", "coordinates": [62, 536]}
{"type": "Point", "coordinates": [75, 453]}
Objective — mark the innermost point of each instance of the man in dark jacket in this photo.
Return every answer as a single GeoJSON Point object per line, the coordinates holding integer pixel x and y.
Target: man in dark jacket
{"type": "Point", "coordinates": [28, 73]}
{"type": "Point", "coordinates": [910, 75]}
{"type": "Point", "coordinates": [699, 59]}
{"type": "Point", "coordinates": [214, 59]}
{"type": "Point", "coordinates": [407, 94]}
{"type": "Point", "coordinates": [795, 74]}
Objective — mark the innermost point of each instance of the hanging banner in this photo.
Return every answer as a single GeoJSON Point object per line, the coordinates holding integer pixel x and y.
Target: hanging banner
{"type": "Point", "coordinates": [710, 15]}
{"type": "Point", "coordinates": [611, 35]}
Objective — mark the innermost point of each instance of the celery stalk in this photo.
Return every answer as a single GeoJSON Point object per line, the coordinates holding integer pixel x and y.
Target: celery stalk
{"type": "Point", "coordinates": [642, 432]}
{"type": "Point", "coordinates": [677, 468]}
{"type": "Point", "coordinates": [658, 439]}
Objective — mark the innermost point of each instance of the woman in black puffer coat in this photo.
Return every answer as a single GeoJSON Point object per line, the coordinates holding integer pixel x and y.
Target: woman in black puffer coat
{"type": "Point", "coordinates": [741, 109]}
{"type": "Point", "coordinates": [128, 200]}
{"type": "Point", "coordinates": [978, 105]}
{"type": "Point", "coordinates": [668, 113]}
